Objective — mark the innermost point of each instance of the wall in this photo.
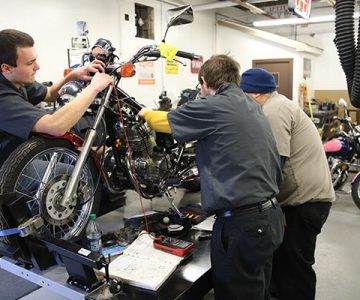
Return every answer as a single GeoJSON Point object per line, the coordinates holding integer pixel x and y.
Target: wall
{"type": "Point", "coordinates": [326, 71]}
{"type": "Point", "coordinates": [52, 24]}
{"type": "Point", "coordinates": [197, 37]}
{"type": "Point", "coordinates": [245, 48]}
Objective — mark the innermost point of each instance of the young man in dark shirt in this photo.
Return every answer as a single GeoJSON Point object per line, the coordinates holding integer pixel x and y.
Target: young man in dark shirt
{"type": "Point", "coordinates": [239, 171]}
{"type": "Point", "coordinates": [19, 93]}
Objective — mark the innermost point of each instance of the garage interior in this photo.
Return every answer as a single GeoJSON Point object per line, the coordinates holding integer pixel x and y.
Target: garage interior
{"type": "Point", "coordinates": [312, 77]}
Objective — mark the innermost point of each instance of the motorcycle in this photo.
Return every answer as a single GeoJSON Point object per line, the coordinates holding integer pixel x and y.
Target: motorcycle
{"type": "Point", "coordinates": [188, 95]}
{"type": "Point", "coordinates": [343, 150]}
{"type": "Point", "coordinates": [62, 177]}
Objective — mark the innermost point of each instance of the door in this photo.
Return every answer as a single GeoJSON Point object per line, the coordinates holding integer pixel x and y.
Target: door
{"type": "Point", "coordinates": [282, 69]}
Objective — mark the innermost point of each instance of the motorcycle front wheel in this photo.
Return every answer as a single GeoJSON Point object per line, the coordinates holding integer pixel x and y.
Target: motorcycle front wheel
{"type": "Point", "coordinates": [38, 171]}
{"type": "Point", "coordinates": [355, 191]}
{"type": "Point", "coordinates": [339, 177]}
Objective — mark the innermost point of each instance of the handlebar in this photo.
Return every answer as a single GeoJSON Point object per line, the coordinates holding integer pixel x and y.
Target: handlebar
{"type": "Point", "coordinates": [183, 54]}
{"type": "Point", "coordinates": [152, 52]}
{"type": "Point", "coordinates": [187, 55]}
{"type": "Point", "coordinates": [342, 120]}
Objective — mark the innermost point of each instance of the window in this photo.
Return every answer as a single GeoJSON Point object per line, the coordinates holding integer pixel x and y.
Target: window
{"type": "Point", "coordinates": [144, 21]}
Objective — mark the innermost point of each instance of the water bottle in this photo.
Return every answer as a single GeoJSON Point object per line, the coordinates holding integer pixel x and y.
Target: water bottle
{"type": "Point", "coordinates": [93, 234]}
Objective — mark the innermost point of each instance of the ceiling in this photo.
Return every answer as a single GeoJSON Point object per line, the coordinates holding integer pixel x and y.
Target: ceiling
{"type": "Point", "coordinates": [246, 12]}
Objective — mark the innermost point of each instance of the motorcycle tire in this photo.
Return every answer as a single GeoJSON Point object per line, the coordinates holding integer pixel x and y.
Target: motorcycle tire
{"type": "Point", "coordinates": [25, 171]}
{"type": "Point", "coordinates": [339, 178]}
{"type": "Point", "coordinates": [355, 191]}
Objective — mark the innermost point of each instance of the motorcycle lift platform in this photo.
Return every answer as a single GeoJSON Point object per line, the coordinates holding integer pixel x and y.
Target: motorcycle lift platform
{"type": "Point", "coordinates": [53, 278]}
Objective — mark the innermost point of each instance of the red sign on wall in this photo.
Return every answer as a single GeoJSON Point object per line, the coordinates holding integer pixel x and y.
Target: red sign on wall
{"type": "Point", "coordinates": [196, 65]}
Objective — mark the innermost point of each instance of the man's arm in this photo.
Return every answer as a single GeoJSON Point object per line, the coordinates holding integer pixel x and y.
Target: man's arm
{"type": "Point", "coordinates": [67, 116]}
{"type": "Point", "coordinates": [81, 73]}
{"type": "Point", "coordinates": [157, 120]}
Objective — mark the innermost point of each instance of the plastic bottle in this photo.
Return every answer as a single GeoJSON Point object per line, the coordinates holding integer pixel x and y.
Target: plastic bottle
{"type": "Point", "coordinates": [93, 234]}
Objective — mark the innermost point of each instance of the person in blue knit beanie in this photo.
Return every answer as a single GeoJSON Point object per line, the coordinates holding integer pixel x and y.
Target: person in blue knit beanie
{"type": "Point", "coordinates": [306, 193]}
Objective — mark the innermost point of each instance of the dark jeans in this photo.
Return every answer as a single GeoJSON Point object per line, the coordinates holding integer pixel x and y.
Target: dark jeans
{"type": "Point", "coordinates": [242, 250]}
{"type": "Point", "coordinates": [293, 274]}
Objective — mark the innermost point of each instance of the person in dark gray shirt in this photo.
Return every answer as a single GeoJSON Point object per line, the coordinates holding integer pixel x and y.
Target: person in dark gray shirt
{"type": "Point", "coordinates": [240, 172]}
{"type": "Point", "coordinates": [19, 93]}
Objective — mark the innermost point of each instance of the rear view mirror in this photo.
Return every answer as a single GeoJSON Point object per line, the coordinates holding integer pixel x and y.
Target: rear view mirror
{"type": "Point", "coordinates": [179, 16]}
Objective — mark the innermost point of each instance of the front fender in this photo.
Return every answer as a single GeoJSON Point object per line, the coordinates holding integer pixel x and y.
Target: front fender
{"type": "Point", "coordinates": [74, 139]}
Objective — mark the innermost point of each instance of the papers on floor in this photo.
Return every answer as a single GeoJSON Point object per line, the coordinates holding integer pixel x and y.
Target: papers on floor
{"type": "Point", "coordinates": [144, 266]}
{"type": "Point", "coordinates": [206, 225]}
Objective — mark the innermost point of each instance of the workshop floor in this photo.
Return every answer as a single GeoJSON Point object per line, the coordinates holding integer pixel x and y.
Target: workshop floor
{"type": "Point", "coordinates": [337, 256]}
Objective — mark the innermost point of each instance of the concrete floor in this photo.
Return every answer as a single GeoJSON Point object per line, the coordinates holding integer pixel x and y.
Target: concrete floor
{"type": "Point", "coordinates": [337, 255]}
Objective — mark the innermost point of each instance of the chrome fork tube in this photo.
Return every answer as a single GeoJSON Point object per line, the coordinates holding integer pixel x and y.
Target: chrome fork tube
{"type": "Point", "coordinates": [71, 187]}
{"type": "Point", "coordinates": [47, 174]}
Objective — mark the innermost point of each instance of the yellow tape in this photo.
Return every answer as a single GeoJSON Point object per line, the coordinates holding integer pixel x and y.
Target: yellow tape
{"type": "Point", "coordinates": [167, 51]}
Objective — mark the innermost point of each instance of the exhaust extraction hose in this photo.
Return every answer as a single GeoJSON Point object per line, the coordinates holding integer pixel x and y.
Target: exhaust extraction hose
{"type": "Point", "coordinates": [348, 52]}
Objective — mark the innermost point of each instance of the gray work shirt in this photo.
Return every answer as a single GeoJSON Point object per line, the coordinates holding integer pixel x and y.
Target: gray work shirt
{"type": "Point", "coordinates": [18, 113]}
{"type": "Point", "coordinates": [306, 172]}
{"type": "Point", "coordinates": [236, 151]}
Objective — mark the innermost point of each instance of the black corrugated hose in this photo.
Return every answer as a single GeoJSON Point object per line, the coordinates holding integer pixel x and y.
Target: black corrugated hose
{"type": "Point", "coordinates": [355, 91]}
{"type": "Point", "coordinates": [349, 53]}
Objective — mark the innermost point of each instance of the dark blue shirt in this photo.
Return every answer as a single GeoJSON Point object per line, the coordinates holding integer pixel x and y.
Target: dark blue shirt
{"type": "Point", "coordinates": [236, 151]}
{"type": "Point", "coordinates": [18, 113]}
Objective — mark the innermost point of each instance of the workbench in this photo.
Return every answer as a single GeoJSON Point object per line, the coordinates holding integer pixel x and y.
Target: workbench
{"type": "Point", "coordinates": [191, 280]}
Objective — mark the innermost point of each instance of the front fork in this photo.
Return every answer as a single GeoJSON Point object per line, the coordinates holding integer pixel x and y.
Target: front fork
{"type": "Point", "coordinates": [71, 187]}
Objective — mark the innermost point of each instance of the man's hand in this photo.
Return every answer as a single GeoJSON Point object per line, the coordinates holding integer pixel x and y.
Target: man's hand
{"type": "Point", "coordinates": [100, 81]}
{"type": "Point", "coordinates": [84, 72]}
{"type": "Point", "coordinates": [142, 112]}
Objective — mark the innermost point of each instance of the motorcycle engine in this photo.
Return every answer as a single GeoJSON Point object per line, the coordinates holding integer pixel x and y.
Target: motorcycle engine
{"type": "Point", "coordinates": [150, 166]}
{"type": "Point", "coordinates": [150, 171]}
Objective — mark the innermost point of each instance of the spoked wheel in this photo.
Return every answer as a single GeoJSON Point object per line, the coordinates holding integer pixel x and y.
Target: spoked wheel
{"type": "Point", "coordinates": [39, 170]}
{"type": "Point", "coordinates": [339, 175]}
{"type": "Point", "coordinates": [355, 190]}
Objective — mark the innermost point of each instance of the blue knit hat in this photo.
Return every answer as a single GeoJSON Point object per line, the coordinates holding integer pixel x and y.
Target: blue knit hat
{"type": "Point", "coordinates": [257, 80]}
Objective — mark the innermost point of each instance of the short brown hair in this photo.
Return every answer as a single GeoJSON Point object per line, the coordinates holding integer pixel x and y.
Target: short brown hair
{"type": "Point", "coordinates": [218, 70]}
{"type": "Point", "coordinates": [10, 39]}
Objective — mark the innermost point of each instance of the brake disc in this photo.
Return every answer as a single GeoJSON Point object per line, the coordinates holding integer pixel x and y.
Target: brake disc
{"type": "Point", "coordinates": [51, 210]}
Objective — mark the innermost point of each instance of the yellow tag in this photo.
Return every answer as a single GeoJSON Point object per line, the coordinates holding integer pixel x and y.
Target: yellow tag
{"type": "Point", "coordinates": [171, 67]}
{"type": "Point", "coordinates": [167, 51]}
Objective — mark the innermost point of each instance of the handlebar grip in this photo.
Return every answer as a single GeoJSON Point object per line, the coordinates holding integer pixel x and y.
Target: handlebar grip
{"type": "Point", "coordinates": [187, 55]}
{"type": "Point", "coordinates": [153, 53]}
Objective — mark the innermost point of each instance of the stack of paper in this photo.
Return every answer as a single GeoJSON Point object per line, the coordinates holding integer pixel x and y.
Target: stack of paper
{"type": "Point", "coordinates": [144, 266]}
{"type": "Point", "coordinates": [206, 225]}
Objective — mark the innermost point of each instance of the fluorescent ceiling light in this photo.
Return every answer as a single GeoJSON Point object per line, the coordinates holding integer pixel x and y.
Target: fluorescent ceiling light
{"type": "Point", "coordinates": [214, 5]}
{"type": "Point", "coordinates": [297, 21]}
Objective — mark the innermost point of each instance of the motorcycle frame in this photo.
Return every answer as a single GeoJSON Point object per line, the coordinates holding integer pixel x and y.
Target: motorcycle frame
{"type": "Point", "coordinates": [85, 146]}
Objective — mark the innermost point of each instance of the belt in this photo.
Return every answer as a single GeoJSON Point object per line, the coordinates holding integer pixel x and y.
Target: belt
{"type": "Point", "coordinates": [256, 207]}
